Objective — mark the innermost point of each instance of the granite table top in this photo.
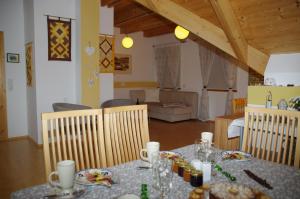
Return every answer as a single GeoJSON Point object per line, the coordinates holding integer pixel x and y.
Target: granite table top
{"type": "Point", "coordinates": [285, 180]}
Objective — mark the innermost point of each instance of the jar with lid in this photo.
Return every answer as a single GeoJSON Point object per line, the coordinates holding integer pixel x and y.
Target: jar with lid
{"type": "Point", "coordinates": [175, 165]}
{"type": "Point", "coordinates": [196, 178]}
{"type": "Point", "coordinates": [187, 173]}
{"type": "Point", "coordinates": [181, 167]}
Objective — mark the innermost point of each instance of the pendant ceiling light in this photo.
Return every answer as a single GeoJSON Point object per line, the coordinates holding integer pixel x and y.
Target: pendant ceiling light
{"type": "Point", "coordinates": [181, 33]}
{"type": "Point", "coordinates": [127, 42]}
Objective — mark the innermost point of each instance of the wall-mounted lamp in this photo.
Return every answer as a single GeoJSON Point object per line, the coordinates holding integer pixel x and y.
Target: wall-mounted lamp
{"type": "Point", "coordinates": [127, 42]}
{"type": "Point", "coordinates": [181, 33]}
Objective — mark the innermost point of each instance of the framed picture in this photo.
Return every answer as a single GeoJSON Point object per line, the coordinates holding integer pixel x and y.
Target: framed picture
{"type": "Point", "coordinates": [13, 58]}
{"type": "Point", "coordinates": [123, 64]}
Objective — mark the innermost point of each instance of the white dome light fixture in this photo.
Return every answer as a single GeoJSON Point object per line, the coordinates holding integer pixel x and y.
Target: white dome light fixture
{"type": "Point", "coordinates": [181, 33]}
{"type": "Point", "coordinates": [127, 42]}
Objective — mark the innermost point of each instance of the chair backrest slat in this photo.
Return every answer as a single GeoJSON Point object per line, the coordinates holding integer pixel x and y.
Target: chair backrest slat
{"type": "Point", "coordinates": [238, 105]}
{"type": "Point", "coordinates": [272, 135]}
{"type": "Point", "coordinates": [74, 135]}
{"type": "Point", "coordinates": [126, 132]}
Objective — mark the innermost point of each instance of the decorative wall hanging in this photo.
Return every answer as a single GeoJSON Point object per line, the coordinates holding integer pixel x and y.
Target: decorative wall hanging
{"type": "Point", "coordinates": [123, 64]}
{"type": "Point", "coordinates": [89, 50]}
{"type": "Point", "coordinates": [28, 51]}
{"type": "Point", "coordinates": [12, 58]}
{"type": "Point", "coordinates": [107, 53]}
{"type": "Point", "coordinates": [59, 38]}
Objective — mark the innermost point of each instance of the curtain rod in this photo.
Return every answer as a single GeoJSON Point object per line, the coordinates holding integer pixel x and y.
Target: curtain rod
{"type": "Point", "coordinates": [169, 44]}
{"type": "Point", "coordinates": [59, 17]}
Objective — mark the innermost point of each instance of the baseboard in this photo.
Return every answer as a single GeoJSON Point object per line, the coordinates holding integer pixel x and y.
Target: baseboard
{"type": "Point", "coordinates": [14, 138]}
{"type": "Point", "coordinates": [24, 137]}
{"type": "Point", "coordinates": [34, 142]}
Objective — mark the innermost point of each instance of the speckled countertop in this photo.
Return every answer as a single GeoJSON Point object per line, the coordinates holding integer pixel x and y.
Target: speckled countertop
{"type": "Point", "coordinates": [285, 180]}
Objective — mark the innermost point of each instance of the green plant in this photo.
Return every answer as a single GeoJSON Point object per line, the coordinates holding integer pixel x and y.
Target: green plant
{"type": "Point", "coordinates": [295, 103]}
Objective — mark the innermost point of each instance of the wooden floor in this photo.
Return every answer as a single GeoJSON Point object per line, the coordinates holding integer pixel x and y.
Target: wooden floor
{"type": "Point", "coordinates": [22, 163]}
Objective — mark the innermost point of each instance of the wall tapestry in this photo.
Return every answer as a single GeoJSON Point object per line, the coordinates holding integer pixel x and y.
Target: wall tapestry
{"type": "Point", "coordinates": [123, 64]}
{"type": "Point", "coordinates": [28, 51]}
{"type": "Point", "coordinates": [59, 39]}
{"type": "Point", "coordinates": [107, 53]}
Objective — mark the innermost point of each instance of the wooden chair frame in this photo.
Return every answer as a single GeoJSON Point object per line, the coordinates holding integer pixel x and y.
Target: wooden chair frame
{"type": "Point", "coordinates": [126, 132]}
{"type": "Point", "coordinates": [76, 135]}
{"type": "Point", "coordinates": [272, 135]}
{"type": "Point", "coordinates": [238, 105]}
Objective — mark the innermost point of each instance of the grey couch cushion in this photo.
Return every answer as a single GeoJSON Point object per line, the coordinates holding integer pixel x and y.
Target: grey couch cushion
{"type": "Point", "coordinates": [68, 107]}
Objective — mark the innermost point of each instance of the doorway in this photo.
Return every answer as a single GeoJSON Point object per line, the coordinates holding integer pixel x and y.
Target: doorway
{"type": "Point", "coordinates": [3, 108]}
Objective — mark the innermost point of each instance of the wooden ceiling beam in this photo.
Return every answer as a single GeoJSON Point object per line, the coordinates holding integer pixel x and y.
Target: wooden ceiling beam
{"type": "Point", "coordinates": [159, 30]}
{"type": "Point", "coordinates": [134, 19]}
{"type": "Point", "coordinates": [256, 59]}
{"type": "Point", "coordinates": [231, 27]}
{"type": "Point", "coordinates": [144, 23]}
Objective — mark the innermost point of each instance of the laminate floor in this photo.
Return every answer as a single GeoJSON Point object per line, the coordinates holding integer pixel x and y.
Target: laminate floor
{"type": "Point", "coordinates": [22, 163]}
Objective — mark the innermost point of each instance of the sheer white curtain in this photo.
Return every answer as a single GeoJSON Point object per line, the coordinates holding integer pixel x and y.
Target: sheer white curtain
{"type": "Point", "coordinates": [230, 73]}
{"type": "Point", "coordinates": [206, 61]}
{"type": "Point", "coordinates": [168, 66]}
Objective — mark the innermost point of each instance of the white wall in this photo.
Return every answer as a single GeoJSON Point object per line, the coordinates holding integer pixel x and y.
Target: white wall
{"type": "Point", "coordinates": [12, 24]}
{"type": "Point", "coordinates": [55, 80]}
{"type": "Point", "coordinates": [31, 91]}
{"type": "Point", "coordinates": [143, 65]}
{"type": "Point", "coordinates": [284, 68]}
{"type": "Point", "coordinates": [106, 80]}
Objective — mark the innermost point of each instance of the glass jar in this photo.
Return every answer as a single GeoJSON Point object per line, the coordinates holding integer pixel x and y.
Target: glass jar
{"type": "Point", "coordinates": [196, 178]}
{"type": "Point", "coordinates": [181, 167]}
{"type": "Point", "coordinates": [175, 165]}
{"type": "Point", "coordinates": [187, 173]}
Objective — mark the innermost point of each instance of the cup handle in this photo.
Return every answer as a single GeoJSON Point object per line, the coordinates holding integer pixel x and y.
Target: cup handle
{"type": "Point", "coordinates": [51, 182]}
{"type": "Point", "coordinates": [142, 155]}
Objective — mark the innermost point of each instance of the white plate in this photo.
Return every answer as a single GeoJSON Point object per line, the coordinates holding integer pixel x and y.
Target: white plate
{"type": "Point", "coordinates": [129, 196]}
{"type": "Point", "coordinates": [236, 155]}
{"type": "Point", "coordinates": [81, 177]}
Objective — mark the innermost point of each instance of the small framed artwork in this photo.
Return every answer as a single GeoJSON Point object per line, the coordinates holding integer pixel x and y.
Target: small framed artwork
{"type": "Point", "coordinates": [123, 64]}
{"type": "Point", "coordinates": [13, 58]}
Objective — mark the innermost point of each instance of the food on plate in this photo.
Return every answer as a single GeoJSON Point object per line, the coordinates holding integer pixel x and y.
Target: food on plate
{"type": "Point", "coordinates": [235, 155]}
{"type": "Point", "coordinates": [169, 155]}
{"type": "Point", "coordinates": [234, 191]}
{"type": "Point", "coordinates": [94, 177]}
{"type": "Point", "coordinates": [226, 191]}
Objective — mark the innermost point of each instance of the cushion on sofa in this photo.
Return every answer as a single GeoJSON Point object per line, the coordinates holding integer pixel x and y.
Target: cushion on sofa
{"type": "Point", "coordinates": [169, 110]}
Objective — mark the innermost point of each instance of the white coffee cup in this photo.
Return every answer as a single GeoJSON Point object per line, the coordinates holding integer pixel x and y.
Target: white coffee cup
{"type": "Point", "coordinates": [65, 172]}
{"type": "Point", "coordinates": [207, 136]}
{"type": "Point", "coordinates": [151, 148]}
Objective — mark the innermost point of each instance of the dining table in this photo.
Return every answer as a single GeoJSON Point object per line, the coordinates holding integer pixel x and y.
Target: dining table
{"type": "Point", "coordinates": [285, 180]}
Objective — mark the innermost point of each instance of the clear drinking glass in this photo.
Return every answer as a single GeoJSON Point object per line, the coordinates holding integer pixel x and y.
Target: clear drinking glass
{"type": "Point", "coordinates": [197, 148]}
{"type": "Point", "coordinates": [162, 176]}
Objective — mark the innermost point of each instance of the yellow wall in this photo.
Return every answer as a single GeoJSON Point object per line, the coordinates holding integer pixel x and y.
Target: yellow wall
{"type": "Point", "coordinates": [89, 28]}
{"type": "Point", "coordinates": [257, 94]}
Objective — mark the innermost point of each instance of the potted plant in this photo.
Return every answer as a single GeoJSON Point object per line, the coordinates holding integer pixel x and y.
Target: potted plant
{"type": "Point", "coordinates": [294, 103]}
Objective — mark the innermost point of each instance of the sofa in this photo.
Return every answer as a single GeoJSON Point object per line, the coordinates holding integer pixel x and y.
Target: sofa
{"type": "Point", "coordinates": [171, 106]}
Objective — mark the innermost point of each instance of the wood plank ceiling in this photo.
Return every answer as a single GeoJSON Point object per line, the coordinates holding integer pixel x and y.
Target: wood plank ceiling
{"type": "Point", "coordinates": [252, 27]}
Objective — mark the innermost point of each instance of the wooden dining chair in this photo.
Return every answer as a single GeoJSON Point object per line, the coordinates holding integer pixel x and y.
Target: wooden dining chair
{"type": "Point", "coordinates": [126, 132]}
{"type": "Point", "coordinates": [272, 135]}
{"type": "Point", "coordinates": [74, 135]}
{"type": "Point", "coordinates": [238, 105]}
